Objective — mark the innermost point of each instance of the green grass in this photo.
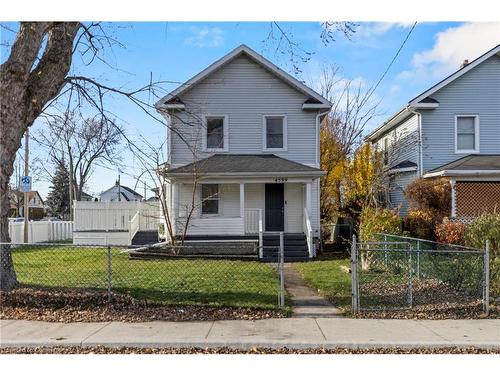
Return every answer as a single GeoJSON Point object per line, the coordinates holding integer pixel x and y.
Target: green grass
{"type": "Point", "coordinates": [180, 281]}
{"type": "Point", "coordinates": [329, 280]}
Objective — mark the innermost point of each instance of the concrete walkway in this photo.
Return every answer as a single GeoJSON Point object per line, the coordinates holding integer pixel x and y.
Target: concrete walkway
{"type": "Point", "coordinates": [271, 333]}
{"type": "Point", "coordinates": [306, 302]}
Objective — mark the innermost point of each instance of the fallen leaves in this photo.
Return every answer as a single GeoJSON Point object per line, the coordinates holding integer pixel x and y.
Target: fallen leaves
{"type": "Point", "coordinates": [68, 305]}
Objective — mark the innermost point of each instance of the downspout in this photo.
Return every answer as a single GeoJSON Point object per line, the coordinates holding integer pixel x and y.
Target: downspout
{"type": "Point", "coordinates": [318, 159]}
{"type": "Point", "coordinates": [420, 142]}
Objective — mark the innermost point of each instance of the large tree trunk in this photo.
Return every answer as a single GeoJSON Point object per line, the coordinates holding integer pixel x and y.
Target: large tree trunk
{"type": "Point", "coordinates": [24, 91]}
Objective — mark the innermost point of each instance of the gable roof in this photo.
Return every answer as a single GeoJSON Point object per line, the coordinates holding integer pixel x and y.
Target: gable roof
{"type": "Point", "coordinates": [123, 188]}
{"type": "Point", "coordinates": [245, 164]}
{"type": "Point", "coordinates": [460, 72]}
{"type": "Point", "coordinates": [314, 100]}
{"type": "Point", "coordinates": [424, 100]}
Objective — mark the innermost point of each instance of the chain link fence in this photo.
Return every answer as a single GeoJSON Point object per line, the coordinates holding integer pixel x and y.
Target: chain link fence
{"type": "Point", "coordinates": [398, 273]}
{"type": "Point", "coordinates": [169, 279]}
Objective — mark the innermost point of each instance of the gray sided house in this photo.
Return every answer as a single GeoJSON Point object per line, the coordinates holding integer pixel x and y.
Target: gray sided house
{"type": "Point", "coordinates": [246, 134]}
{"type": "Point", "coordinates": [451, 130]}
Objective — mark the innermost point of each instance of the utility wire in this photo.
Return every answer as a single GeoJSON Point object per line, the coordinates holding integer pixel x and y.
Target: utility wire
{"type": "Point", "coordinates": [393, 60]}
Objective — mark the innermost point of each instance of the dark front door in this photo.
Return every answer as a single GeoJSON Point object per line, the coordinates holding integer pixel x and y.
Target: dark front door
{"type": "Point", "coordinates": [275, 208]}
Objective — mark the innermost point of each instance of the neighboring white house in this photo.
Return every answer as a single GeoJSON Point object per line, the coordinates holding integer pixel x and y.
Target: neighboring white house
{"type": "Point", "coordinates": [450, 130]}
{"type": "Point", "coordinates": [252, 148]}
{"type": "Point", "coordinates": [119, 193]}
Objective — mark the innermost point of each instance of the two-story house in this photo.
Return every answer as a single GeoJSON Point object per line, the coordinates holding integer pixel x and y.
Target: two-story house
{"type": "Point", "coordinates": [451, 130]}
{"type": "Point", "coordinates": [243, 154]}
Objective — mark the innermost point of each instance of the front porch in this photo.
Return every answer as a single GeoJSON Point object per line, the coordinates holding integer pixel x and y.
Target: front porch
{"type": "Point", "coordinates": [250, 211]}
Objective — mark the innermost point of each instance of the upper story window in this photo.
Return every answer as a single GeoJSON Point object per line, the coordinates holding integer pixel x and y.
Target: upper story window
{"type": "Point", "coordinates": [466, 133]}
{"type": "Point", "coordinates": [209, 199]}
{"type": "Point", "coordinates": [274, 135]}
{"type": "Point", "coordinates": [216, 131]}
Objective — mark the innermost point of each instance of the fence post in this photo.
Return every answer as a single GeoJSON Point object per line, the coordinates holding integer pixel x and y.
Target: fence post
{"type": "Point", "coordinates": [281, 267]}
{"type": "Point", "coordinates": [410, 276]}
{"type": "Point", "coordinates": [354, 276]}
{"type": "Point", "coordinates": [385, 250]}
{"type": "Point", "coordinates": [109, 273]}
{"type": "Point", "coordinates": [418, 259]}
{"type": "Point", "coordinates": [486, 290]}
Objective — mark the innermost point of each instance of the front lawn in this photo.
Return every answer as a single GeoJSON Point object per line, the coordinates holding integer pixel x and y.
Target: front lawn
{"type": "Point", "coordinates": [329, 279]}
{"type": "Point", "coordinates": [230, 283]}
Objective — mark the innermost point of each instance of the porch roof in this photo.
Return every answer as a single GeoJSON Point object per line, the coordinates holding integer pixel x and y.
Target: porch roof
{"type": "Point", "coordinates": [245, 164]}
{"type": "Point", "coordinates": [470, 165]}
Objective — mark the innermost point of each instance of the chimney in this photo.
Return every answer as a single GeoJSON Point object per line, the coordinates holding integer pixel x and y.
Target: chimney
{"type": "Point", "coordinates": [464, 64]}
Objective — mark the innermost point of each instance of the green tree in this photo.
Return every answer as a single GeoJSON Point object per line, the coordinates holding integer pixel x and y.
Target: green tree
{"type": "Point", "coordinates": [58, 197]}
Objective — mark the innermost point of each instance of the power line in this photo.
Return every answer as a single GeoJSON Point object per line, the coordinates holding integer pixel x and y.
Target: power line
{"type": "Point", "coordinates": [393, 60]}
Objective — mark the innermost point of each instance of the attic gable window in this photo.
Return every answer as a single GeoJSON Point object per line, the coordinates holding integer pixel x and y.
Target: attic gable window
{"type": "Point", "coordinates": [274, 133]}
{"type": "Point", "coordinates": [216, 131]}
{"type": "Point", "coordinates": [466, 133]}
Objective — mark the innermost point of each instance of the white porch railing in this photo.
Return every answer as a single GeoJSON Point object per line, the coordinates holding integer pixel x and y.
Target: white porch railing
{"type": "Point", "coordinates": [309, 233]}
{"type": "Point", "coordinates": [252, 220]}
{"type": "Point", "coordinates": [134, 225]}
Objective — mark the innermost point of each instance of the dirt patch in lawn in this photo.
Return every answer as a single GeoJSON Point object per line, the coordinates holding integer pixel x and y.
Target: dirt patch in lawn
{"type": "Point", "coordinates": [91, 306]}
{"type": "Point", "coordinates": [432, 299]}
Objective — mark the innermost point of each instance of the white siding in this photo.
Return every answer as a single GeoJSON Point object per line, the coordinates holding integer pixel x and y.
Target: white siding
{"type": "Point", "coordinates": [294, 208]}
{"type": "Point", "coordinates": [397, 185]}
{"type": "Point", "coordinates": [403, 142]}
{"type": "Point", "coordinates": [245, 92]}
{"type": "Point", "coordinates": [476, 92]}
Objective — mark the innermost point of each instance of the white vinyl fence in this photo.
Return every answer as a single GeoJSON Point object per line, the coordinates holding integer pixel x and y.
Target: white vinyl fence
{"type": "Point", "coordinates": [41, 231]}
{"type": "Point", "coordinates": [113, 223]}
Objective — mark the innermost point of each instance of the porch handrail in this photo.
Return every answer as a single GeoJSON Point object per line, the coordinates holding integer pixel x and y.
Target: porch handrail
{"type": "Point", "coordinates": [261, 235]}
{"type": "Point", "coordinates": [134, 225]}
{"type": "Point", "coordinates": [309, 233]}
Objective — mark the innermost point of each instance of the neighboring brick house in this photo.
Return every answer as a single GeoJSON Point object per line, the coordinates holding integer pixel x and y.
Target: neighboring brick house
{"type": "Point", "coordinates": [451, 130]}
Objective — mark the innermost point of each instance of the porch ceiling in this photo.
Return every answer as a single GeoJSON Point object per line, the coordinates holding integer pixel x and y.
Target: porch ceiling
{"type": "Point", "coordinates": [243, 164]}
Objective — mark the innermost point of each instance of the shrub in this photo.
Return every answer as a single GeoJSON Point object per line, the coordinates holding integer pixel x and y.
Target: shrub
{"type": "Point", "coordinates": [485, 227]}
{"type": "Point", "coordinates": [378, 220]}
{"type": "Point", "coordinates": [433, 195]}
{"type": "Point", "coordinates": [420, 224]}
{"type": "Point", "coordinates": [451, 232]}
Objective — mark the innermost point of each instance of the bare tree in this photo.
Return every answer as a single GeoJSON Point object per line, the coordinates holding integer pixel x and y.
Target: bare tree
{"type": "Point", "coordinates": [78, 144]}
{"type": "Point", "coordinates": [35, 77]}
{"type": "Point", "coordinates": [341, 132]}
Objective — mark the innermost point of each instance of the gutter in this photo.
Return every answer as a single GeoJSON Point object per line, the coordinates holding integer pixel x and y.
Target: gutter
{"type": "Point", "coordinates": [458, 173]}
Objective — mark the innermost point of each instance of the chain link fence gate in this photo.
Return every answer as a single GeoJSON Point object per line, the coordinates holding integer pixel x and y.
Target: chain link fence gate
{"type": "Point", "coordinates": [396, 274]}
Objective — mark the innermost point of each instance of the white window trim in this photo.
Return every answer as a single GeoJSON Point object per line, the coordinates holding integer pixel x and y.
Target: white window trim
{"type": "Point", "coordinates": [264, 133]}
{"type": "Point", "coordinates": [219, 206]}
{"type": "Point", "coordinates": [476, 134]}
{"type": "Point", "coordinates": [225, 130]}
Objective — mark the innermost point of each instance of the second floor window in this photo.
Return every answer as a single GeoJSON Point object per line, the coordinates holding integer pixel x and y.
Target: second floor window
{"type": "Point", "coordinates": [274, 133]}
{"type": "Point", "coordinates": [466, 134]}
{"type": "Point", "coordinates": [216, 133]}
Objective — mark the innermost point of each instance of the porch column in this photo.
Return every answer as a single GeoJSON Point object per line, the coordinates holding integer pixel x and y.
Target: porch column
{"type": "Point", "coordinates": [453, 199]}
{"type": "Point", "coordinates": [242, 200]}
{"type": "Point", "coordinates": [308, 197]}
{"type": "Point", "coordinates": [175, 205]}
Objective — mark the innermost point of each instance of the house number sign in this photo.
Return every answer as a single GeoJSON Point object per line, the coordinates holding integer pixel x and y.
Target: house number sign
{"type": "Point", "coordinates": [281, 179]}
